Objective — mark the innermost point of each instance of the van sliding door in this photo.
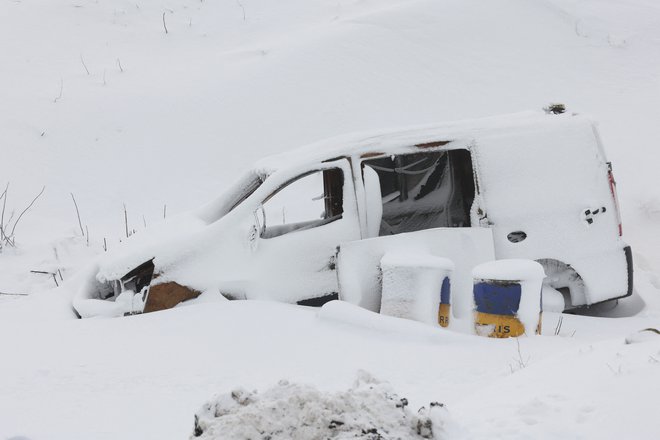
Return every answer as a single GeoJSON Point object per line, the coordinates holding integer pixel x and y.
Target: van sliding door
{"type": "Point", "coordinates": [424, 190]}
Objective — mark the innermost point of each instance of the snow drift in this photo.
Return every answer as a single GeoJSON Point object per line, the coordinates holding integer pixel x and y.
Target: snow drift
{"type": "Point", "coordinates": [370, 410]}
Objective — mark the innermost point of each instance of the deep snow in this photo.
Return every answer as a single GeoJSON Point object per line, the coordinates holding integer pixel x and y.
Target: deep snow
{"type": "Point", "coordinates": [172, 119]}
{"type": "Point", "coordinates": [146, 376]}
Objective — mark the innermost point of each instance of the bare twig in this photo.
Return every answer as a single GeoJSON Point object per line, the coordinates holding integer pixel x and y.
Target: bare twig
{"type": "Point", "coordinates": [25, 210]}
{"type": "Point", "coordinates": [82, 60]}
{"type": "Point", "coordinates": [52, 274]}
{"type": "Point", "coordinates": [126, 221]}
{"type": "Point", "coordinates": [577, 29]}
{"type": "Point", "coordinates": [11, 217]}
{"type": "Point", "coordinates": [105, 245]}
{"type": "Point", "coordinates": [165, 24]}
{"type": "Point", "coordinates": [520, 358]}
{"type": "Point", "coordinates": [242, 7]}
{"type": "Point", "coordinates": [616, 372]}
{"type": "Point", "coordinates": [559, 324]}
{"type": "Point", "coordinates": [2, 216]}
{"type": "Point", "coordinates": [144, 221]}
{"type": "Point", "coordinates": [58, 96]}
{"type": "Point", "coordinates": [82, 231]}
{"type": "Point", "coordinates": [520, 361]}
{"type": "Point", "coordinates": [13, 294]}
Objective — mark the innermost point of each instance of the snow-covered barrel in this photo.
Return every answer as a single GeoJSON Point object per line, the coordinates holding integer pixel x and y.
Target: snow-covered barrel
{"type": "Point", "coordinates": [416, 286]}
{"type": "Point", "coordinates": [507, 297]}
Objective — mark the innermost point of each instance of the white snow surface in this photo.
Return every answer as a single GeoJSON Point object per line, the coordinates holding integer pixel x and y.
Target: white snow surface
{"type": "Point", "coordinates": [509, 270]}
{"type": "Point", "coordinates": [173, 119]}
{"type": "Point", "coordinates": [416, 259]}
{"type": "Point", "coordinates": [146, 376]}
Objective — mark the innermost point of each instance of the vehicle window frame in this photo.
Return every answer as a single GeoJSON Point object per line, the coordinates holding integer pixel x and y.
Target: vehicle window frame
{"type": "Point", "coordinates": [314, 224]}
{"type": "Point", "coordinates": [450, 152]}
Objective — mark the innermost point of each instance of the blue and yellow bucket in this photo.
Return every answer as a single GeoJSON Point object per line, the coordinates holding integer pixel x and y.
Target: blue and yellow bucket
{"type": "Point", "coordinates": [497, 304]}
{"type": "Point", "coordinates": [507, 297]}
{"type": "Point", "coordinates": [445, 303]}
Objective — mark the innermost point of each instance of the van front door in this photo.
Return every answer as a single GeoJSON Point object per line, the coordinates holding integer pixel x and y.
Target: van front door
{"type": "Point", "coordinates": [299, 227]}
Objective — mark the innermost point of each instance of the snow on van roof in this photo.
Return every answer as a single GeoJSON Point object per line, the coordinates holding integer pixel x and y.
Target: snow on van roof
{"type": "Point", "coordinates": [407, 137]}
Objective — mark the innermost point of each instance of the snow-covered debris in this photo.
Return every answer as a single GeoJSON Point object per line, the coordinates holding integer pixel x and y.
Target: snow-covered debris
{"type": "Point", "coordinates": [369, 410]}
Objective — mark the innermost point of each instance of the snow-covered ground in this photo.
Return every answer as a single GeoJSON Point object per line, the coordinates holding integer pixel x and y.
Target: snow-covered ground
{"type": "Point", "coordinates": [146, 376]}
{"type": "Point", "coordinates": [97, 100]}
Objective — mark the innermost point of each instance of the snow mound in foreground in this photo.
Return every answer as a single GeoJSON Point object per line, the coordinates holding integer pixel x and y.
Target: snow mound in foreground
{"type": "Point", "coordinates": [369, 410]}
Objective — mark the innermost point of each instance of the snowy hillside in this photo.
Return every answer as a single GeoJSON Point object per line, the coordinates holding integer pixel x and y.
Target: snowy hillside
{"type": "Point", "coordinates": [143, 110]}
{"type": "Point", "coordinates": [194, 107]}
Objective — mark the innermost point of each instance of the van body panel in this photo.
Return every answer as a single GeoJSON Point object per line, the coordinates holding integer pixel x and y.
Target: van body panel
{"type": "Point", "coordinates": [553, 185]}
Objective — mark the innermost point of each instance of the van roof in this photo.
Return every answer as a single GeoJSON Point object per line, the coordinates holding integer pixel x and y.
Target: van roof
{"type": "Point", "coordinates": [413, 138]}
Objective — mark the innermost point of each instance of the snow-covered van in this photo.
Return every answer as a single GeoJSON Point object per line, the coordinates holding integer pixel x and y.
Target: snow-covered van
{"type": "Point", "coordinates": [540, 182]}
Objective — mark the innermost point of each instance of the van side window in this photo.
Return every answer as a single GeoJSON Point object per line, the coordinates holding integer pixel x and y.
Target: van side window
{"type": "Point", "coordinates": [311, 200]}
{"type": "Point", "coordinates": [424, 190]}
